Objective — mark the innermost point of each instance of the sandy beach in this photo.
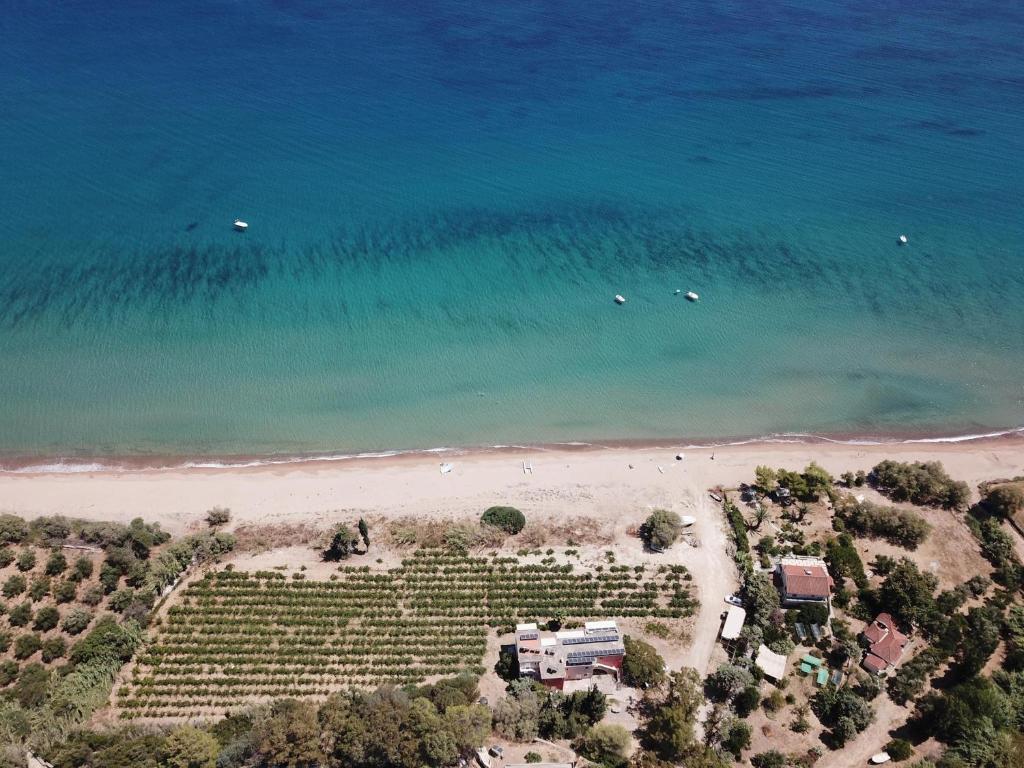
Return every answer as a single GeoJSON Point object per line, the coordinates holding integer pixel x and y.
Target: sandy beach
{"type": "Point", "coordinates": [606, 483]}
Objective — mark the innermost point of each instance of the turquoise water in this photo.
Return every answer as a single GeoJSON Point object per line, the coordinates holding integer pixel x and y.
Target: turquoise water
{"type": "Point", "coordinates": [444, 200]}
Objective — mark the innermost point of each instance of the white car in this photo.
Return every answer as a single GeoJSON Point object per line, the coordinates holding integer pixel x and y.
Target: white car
{"type": "Point", "coordinates": [733, 600]}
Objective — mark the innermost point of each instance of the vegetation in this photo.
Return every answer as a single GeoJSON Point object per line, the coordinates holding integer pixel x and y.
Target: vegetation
{"type": "Point", "coordinates": [842, 711]}
{"type": "Point", "coordinates": [897, 526]}
{"type": "Point", "coordinates": [661, 529]}
{"type": "Point", "coordinates": [807, 486]}
{"type": "Point", "coordinates": [642, 667]}
{"type": "Point", "coordinates": [343, 544]}
{"type": "Point", "coordinates": [924, 483]}
{"type": "Point", "coordinates": [218, 516]}
{"type": "Point", "coordinates": [1004, 500]}
{"type": "Point", "coordinates": [236, 637]}
{"type": "Point", "coordinates": [606, 745]}
{"type": "Point", "coordinates": [508, 519]}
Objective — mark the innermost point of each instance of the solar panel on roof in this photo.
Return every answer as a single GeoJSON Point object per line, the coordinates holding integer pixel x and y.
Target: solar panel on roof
{"type": "Point", "coordinates": [529, 636]}
{"type": "Point", "coordinates": [591, 639]}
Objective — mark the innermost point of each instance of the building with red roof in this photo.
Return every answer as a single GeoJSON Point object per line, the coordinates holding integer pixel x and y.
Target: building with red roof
{"type": "Point", "coordinates": [804, 580]}
{"type": "Point", "coordinates": [885, 645]}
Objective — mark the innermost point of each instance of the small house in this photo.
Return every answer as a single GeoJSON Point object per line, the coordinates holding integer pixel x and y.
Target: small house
{"type": "Point", "coordinates": [885, 645]}
{"type": "Point", "coordinates": [577, 654]}
{"type": "Point", "coordinates": [804, 580]}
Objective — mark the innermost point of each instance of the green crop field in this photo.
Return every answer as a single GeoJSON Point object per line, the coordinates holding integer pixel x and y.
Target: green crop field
{"type": "Point", "coordinates": [235, 638]}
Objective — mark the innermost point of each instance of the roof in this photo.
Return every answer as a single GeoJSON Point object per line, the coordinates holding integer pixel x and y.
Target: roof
{"type": "Point", "coordinates": [873, 663]}
{"type": "Point", "coordinates": [734, 618]}
{"type": "Point", "coordinates": [806, 577]}
{"type": "Point", "coordinates": [771, 663]}
{"type": "Point", "coordinates": [547, 655]}
{"type": "Point", "coordinates": [887, 642]}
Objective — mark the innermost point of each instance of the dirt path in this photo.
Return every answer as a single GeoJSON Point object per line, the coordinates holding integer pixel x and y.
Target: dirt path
{"type": "Point", "coordinates": [714, 574]}
{"type": "Point", "coordinates": [888, 717]}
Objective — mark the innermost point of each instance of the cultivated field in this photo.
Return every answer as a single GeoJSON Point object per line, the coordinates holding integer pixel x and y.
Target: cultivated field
{"type": "Point", "coordinates": [236, 638]}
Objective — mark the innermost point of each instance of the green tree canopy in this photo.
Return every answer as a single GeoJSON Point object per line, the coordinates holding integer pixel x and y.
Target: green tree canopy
{"type": "Point", "coordinates": [189, 747]}
{"type": "Point", "coordinates": [642, 667]}
{"type": "Point", "coordinates": [661, 529]}
{"type": "Point", "coordinates": [508, 519]}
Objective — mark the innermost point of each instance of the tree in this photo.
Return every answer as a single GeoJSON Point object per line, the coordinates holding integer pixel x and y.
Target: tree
{"type": "Point", "coordinates": [517, 716]}
{"type": "Point", "coordinates": [746, 701]}
{"type": "Point", "coordinates": [907, 592]}
{"type": "Point", "coordinates": [364, 533]}
{"type": "Point", "coordinates": [669, 731]}
{"type": "Point", "coordinates": [642, 667]}
{"type": "Point", "coordinates": [1004, 500]}
{"type": "Point", "coordinates": [765, 479]}
{"type": "Point", "coordinates": [661, 529]}
{"type": "Point", "coordinates": [727, 681]}
{"type": "Point", "coordinates": [30, 690]}
{"type": "Point", "coordinates": [83, 567]}
{"type": "Point", "coordinates": [507, 666]}
{"type": "Point", "coordinates": [761, 598]}
{"type": "Point", "coordinates": [20, 615]}
{"type": "Point", "coordinates": [343, 544]}
{"type": "Point", "coordinates": [53, 648]}
{"type": "Point", "coordinates": [508, 519]}
{"type": "Point", "coordinates": [289, 735]}
{"type": "Point", "coordinates": [818, 481]}
{"type": "Point", "coordinates": [189, 747]}
{"type": "Point", "coordinates": [605, 744]}
{"type": "Point", "coordinates": [736, 737]}
{"type": "Point", "coordinates": [533, 757]}
{"type": "Point", "coordinates": [923, 483]}
{"type": "Point", "coordinates": [218, 516]}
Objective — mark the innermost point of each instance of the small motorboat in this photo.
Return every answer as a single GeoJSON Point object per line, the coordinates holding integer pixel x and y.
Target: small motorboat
{"type": "Point", "coordinates": [902, 239]}
{"type": "Point", "coordinates": [881, 757]}
{"type": "Point", "coordinates": [687, 520]}
{"type": "Point", "coordinates": [691, 296]}
{"type": "Point", "coordinates": [240, 226]}
{"type": "Point", "coordinates": [676, 292]}
{"type": "Point", "coordinates": [446, 468]}
{"type": "Point", "coordinates": [620, 299]}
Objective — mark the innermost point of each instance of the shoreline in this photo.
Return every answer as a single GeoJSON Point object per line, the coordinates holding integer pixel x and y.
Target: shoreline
{"type": "Point", "coordinates": [49, 464]}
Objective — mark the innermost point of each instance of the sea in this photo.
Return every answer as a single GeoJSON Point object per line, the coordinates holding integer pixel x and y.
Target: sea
{"type": "Point", "coordinates": [444, 198]}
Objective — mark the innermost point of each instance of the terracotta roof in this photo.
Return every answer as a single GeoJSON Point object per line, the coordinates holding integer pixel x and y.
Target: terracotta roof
{"type": "Point", "coordinates": [809, 580]}
{"type": "Point", "coordinates": [890, 647]}
{"type": "Point", "coordinates": [874, 664]}
{"type": "Point", "coordinates": [879, 628]}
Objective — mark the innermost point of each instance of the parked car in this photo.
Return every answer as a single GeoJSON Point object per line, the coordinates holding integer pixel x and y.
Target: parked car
{"type": "Point", "coordinates": [733, 600]}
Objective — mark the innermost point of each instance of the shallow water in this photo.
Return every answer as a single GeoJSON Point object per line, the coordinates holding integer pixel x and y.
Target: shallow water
{"type": "Point", "coordinates": [444, 200]}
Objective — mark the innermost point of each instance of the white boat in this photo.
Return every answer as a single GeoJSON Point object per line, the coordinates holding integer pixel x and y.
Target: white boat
{"type": "Point", "coordinates": [677, 292]}
{"type": "Point", "coordinates": [446, 468]}
{"type": "Point", "coordinates": [240, 225]}
{"type": "Point", "coordinates": [692, 296]}
{"type": "Point", "coordinates": [903, 239]}
{"type": "Point", "coordinates": [686, 521]}
{"type": "Point", "coordinates": [881, 757]}
{"type": "Point", "coordinates": [620, 299]}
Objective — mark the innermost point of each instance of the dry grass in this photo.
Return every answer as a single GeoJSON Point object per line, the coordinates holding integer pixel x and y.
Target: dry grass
{"type": "Point", "coordinates": [262, 538]}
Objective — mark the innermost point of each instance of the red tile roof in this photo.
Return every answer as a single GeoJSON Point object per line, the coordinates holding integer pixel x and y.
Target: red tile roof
{"type": "Point", "coordinates": [807, 580]}
{"type": "Point", "coordinates": [879, 628]}
{"type": "Point", "coordinates": [887, 642]}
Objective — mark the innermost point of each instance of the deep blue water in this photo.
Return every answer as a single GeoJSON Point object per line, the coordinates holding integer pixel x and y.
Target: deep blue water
{"type": "Point", "coordinates": [444, 198]}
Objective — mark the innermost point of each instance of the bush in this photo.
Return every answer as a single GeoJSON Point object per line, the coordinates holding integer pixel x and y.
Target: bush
{"type": "Point", "coordinates": [533, 757]}
{"type": "Point", "coordinates": [26, 560]}
{"type": "Point", "coordinates": [14, 585]}
{"type": "Point", "coordinates": [605, 744]}
{"type": "Point", "coordinates": [20, 615]}
{"type": "Point", "coordinates": [897, 526]}
{"type": "Point", "coordinates": [83, 567]}
{"type": "Point", "coordinates": [8, 672]}
{"type": "Point", "coordinates": [56, 564]}
{"type": "Point", "coordinates": [53, 648]}
{"type": "Point", "coordinates": [26, 645]}
{"type": "Point", "coordinates": [13, 530]}
{"type": "Point", "coordinates": [6, 556]}
{"type": "Point", "coordinates": [5, 641]}
{"type": "Point", "coordinates": [508, 519]}
{"type": "Point", "coordinates": [661, 529]}
{"type": "Point", "coordinates": [343, 544]}
{"type": "Point", "coordinates": [39, 588]}
{"type": "Point", "coordinates": [770, 759]}
{"type": "Point", "coordinates": [899, 749]}
{"type": "Point", "coordinates": [93, 595]}
{"type": "Point", "coordinates": [76, 621]}
{"type": "Point", "coordinates": [47, 618]}
{"type": "Point", "coordinates": [1004, 500]}
{"type": "Point", "coordinates": [33, 682]}
{"type": "Point", "coordinates": [924, 483]}
{"type": "Point", "coordinates": [107, 641]}
{"type": "Point", "coordinates": [65, 591]}
{"type": "Point", "coordinates": [218, 516]}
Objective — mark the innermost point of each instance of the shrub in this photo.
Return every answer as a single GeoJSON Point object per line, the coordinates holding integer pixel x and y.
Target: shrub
{"type": "Point", "coordinates": [8, 672]}
{"type": "Point", "coordinates": [53, 648]}
{"type": "Point", "coordinates": [533, 757]}
{"type": "Point", "coordinates": [924, 483]}
{"type": "Point", "coordinates": [508, 519]}
{"type": "Point", "coordinates": [6, 556]}
{"type": "Point", "coordinates": [47, 618]}
{"type": "Point", "coordinates": [13, 530]}
{"type": "Point", "coordinates": [93, 595]}
{"type": "Point", "coordinates": [899, 749]}
{"type": "Point", "coordinates": [897, 526]}
{"type": "Point", "coordinates": [76, 621]}
{"type": "Point", "coordinates": [661, 529]}
{"type": "Point", "coordinates": [605, 744]}
{"type": "Point", "coordinates": [343, 543]}
{"type": "Point", "coordinates": [26, 560]}
{"type": "Point", "coordinates": [83, 567]}
{"type": "Point", "coordinates": [26, 645]}
{"type": "Point", "coordinates": [218, 516]}
{"type": "Point", "coordinates": [39, 588]}
{"type": "Point", "coordinates": [56, 564]}
{"type": "Point", "coordinates": [33, 682]}
{"type": "Point", "coordinates": [14, 585]}
{"type": "Point", "coordinates": [5, 641]}
{"type": "Point", "coordinates": [122, 598]}
{"type": "Point", "coordinates": [20, 615]}
{"type": "Point", "coordinates": [770, 759]}
{"type": "Point", "coordinates": [65, 591]}
{"type": "Point", "coordinates": [108, 640]}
